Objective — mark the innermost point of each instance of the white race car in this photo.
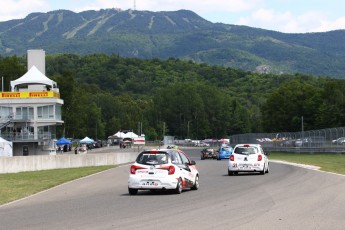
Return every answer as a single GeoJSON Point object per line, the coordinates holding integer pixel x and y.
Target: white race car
{"type": "Point", "coordinates": [164, 169]}
{"type": "Point", "coordinates": [248, 158]}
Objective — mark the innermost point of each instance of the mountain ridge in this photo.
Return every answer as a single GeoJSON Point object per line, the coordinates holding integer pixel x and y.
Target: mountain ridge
{"type": "Point", "coordinates": [180, 34]}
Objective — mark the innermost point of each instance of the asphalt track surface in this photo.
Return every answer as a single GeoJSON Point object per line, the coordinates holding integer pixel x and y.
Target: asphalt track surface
{"type": "Point", "coordinates": [288, 197]}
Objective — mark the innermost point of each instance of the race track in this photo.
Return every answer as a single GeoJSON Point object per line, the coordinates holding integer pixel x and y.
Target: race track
{"type": "Point", "coordinates": [288, 197]}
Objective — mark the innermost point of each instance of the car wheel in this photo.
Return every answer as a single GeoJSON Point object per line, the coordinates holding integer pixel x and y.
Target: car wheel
{"type": "Point", "coordinates": [263, 171]}
{"type": "Point", "coordinates": [230, 173]}
{"type": "Point", "coordinates": [202, 158]}
{"type": "Point", "coordinates": [196, 183]}
{"type": "Point", "coordinates": [178, 188]}
{"type": "Point", "coordinates": [268, 168]}
{"type": "Point", "coordinates": [133, 191]}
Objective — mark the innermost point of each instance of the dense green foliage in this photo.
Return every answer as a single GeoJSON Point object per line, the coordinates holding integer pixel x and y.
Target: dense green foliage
{"type": "Point", "coordinates": [179, 34]}
{"type": "Point", "coordinates": [103, 94]}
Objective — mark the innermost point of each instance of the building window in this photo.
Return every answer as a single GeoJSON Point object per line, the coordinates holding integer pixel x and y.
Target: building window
{"type": "Point", "coordinates": [24, 113]}
{"type": "Point", "coordinates": [5, 112]}
{"type": "Point", "coordinates": [58, 112]}
{"type": "Point", "coordinates": [45, 112]}
{"type": "Point", "coordinates": [46, 132]}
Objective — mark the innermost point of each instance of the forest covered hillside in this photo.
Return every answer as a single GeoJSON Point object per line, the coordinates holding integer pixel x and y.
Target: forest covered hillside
{"type": "Point", "coordinates": [106, 93]}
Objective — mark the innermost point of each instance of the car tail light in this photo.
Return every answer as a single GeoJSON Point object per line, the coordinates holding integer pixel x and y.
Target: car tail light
{"type": "Point", "coordinates": [134, 169]}
{"type": "Point", "coordinates": [153, 151]}
{"type": "Point", "coordinates": [232, 158]}
{"type": "Point", "coordinates": [259, 157]}
{"type": "Point", "coordinates": [171, 170]}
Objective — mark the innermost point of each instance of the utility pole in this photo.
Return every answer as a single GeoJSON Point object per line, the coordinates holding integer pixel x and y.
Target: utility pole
{"type": "Point", "coordinates": [96, 129]}
{"type": "Point", "coordinates": [140, 128]}
{"type": "Point", "coordinates": [302, 130]}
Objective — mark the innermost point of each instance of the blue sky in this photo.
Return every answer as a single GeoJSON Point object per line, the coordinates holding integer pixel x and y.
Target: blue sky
{"type": "Point", "coordinates": [288, 16]}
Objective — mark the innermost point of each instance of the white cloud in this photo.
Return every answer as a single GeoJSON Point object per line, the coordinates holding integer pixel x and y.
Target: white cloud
{"type": "Point", "coordinates": [326, 25]}
{"type": "Point", "coordinates": [312, 21]}
{"type": "Point", "coordinates": [98, 4]}
{"type": "Point", "coordinates": [16, 9]}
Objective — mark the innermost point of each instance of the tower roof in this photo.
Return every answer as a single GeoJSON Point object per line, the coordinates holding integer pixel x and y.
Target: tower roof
{"type": "Point", "coordinates": [32, 77]}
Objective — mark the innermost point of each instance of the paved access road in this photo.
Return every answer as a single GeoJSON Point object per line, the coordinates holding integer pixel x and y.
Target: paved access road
{"type": "Point", "coordinates": [287, 198]}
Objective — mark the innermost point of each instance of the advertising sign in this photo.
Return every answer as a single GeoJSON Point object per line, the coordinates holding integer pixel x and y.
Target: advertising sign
{"type": "Point", "coordinates": [139, 140]}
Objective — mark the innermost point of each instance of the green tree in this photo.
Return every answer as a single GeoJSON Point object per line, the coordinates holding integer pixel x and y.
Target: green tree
{"type": "Point", "coordinates": [287, 105]}
{"type": "Point", "coordinates": [72, 108]}
{"type": "Point", "coordinates": [332, 108]}
{"type": "Point", "coordinates": [240, 118]}
{"type": "Point", "coordinates": [11, 68]}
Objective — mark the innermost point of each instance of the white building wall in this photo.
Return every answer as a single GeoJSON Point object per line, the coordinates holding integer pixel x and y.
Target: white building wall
{"type": "Point", "coordinates": [37, 58]}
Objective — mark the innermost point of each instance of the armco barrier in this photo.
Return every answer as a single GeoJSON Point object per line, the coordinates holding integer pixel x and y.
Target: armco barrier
{"type": "Point", "coordinates": [45, 162]}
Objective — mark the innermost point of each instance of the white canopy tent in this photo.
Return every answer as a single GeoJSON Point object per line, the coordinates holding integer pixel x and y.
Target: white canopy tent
{"type": "Point", "coordinates": [86, 140]}
{"type": "Point", "coordinates": [33, 76]}
{"type": "Point", "coordinates": [6, 149]}
{"type": "Point", "coordinates": [122, 135]}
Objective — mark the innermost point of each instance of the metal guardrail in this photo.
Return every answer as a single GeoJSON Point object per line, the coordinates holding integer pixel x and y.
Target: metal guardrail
{"type": "Point", "coordinates": [307, 149]}
{"type": "Point", "coordinates": [311, 141]}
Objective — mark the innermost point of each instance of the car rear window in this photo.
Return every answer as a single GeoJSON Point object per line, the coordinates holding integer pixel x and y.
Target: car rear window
{"type": "Point", "coordinates": [226, 148]}
{"type": "Point", "coordinates": [245, 150]}
{"type": "Point", "coordinates": [149, 158]}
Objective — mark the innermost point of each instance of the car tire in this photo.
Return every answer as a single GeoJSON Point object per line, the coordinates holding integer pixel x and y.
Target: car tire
{"type": "Point", "coordinates": [202, 158]}
{"type": "Point", "coordinates": [196, 183]}
{"type": "Point", "coordinates": [132, 191]}
{"type": "Point", "coordinates": [230, 173]}
{"type": "Point", "coordinates": [178, 189]}
{"type": "Point", "coordinates": [268, 168]}
{"type": "Point", "coordinates": [263, 171]}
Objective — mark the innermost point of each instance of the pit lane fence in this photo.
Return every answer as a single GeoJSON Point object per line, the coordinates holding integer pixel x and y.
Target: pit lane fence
{"type": "Point", "coordinates": [330, 140]}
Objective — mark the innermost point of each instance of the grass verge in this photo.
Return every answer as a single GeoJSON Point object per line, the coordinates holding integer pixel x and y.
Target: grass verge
{"type": "Point", "coordinates": [327, 162]}
{"type": "Point", "coordinates": [14, 186]}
